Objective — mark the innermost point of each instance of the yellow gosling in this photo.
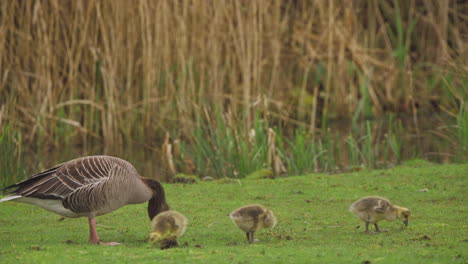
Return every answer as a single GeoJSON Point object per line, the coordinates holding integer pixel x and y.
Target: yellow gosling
{"type": "Point", "coordinates": [372, 209]}
{"type": "Point", "coordinates": [166, 227]}
{"type": "Point", "coordinates": [252, 218]}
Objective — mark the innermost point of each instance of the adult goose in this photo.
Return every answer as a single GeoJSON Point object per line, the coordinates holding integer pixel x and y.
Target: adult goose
{"type": "Point", "coordinates": [89, 186]}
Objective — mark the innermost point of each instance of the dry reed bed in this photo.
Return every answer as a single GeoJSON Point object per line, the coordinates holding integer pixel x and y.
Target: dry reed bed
{"type": "Point", "coordinates": [128, 71]}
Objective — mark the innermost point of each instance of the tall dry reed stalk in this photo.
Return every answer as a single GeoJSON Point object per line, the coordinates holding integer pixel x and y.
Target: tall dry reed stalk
{"type": "Point", "coordinates": [117, 72]}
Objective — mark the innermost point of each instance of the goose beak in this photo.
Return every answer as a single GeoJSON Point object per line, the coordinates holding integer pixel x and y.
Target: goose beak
{"type": "Point", "coordinates": [405, 222]}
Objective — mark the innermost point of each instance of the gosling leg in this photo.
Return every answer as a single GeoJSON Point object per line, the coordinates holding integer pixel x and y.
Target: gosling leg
{"type": "Point", "coordinates": [250, 237]}
{"type": "Point", "coordinates": [377, 228]}
{"type": "Point", "coordinates": [367, 227]}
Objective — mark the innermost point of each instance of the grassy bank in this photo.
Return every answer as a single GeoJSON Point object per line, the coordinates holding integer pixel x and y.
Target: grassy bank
{"type": "Point", "coordinates": [314, 223]}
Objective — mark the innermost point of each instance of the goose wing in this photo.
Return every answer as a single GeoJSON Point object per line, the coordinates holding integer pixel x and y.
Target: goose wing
{"type": "Point", "coordinates": [66, 178]}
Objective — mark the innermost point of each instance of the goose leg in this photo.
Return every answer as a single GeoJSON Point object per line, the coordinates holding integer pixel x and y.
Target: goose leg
{"type": "Point", "coordinates": [93, 235]}
{"type": "Point", "coordinates": [367, 227]}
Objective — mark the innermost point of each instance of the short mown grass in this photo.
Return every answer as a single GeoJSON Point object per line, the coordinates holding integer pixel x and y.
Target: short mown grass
{"type": "Point", "coordinates": [314, 224]}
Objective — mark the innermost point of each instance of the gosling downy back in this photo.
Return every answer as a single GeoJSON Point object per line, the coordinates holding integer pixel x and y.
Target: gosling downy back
{"type": "Point", "coordinates": [166, 227]}
{"type": "Point", "coordinates": [251, 218]}
{"type": "Point", "coordinates": [371, 204]}
{"type": "Point", "coordinates": [372, 209]}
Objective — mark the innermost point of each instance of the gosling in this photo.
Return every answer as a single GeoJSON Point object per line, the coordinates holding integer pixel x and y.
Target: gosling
{"type": "Point", "coordinates": [252, 218]}
{"type": "Point", "coordinates": [372, 209]}
{"type": "Point", "coordinates": [166, 227]}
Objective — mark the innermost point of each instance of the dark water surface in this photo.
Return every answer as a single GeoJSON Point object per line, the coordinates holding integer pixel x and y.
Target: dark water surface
{"type": "Point", "coordinates": [431, 137]}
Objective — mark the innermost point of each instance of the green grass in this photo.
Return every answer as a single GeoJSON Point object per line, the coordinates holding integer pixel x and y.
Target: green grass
{"type": "Point", "coordinates": [11, 163]}
{"type": "Point", "coordinates": [314, 225]}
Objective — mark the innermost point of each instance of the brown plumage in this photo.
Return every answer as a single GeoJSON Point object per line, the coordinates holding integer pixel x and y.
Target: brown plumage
{"type": "Point", "coordinates": [372, 209]}
{"type": "Point", "coordinates": [89, 186]}
{"type": "Point", "coordinates": [166, 227]}
{"type": "Point", "coordinates": [252, 218]}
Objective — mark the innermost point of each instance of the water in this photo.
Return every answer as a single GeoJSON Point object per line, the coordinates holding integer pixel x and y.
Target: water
{"type": "Point", "coordinates": [430, 137]}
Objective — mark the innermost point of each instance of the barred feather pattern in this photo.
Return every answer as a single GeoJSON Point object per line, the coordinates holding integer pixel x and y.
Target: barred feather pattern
{"type": "Point", "coordinates": [90, 184]}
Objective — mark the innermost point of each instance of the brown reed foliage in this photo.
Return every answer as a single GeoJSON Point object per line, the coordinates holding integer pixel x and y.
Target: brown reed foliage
{"type": "Point", "coordinates": [118, 71]}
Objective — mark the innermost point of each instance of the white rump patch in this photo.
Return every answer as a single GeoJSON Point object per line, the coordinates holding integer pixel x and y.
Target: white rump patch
{"type": "Point", "coordinates": [55, 206]}
{"type": "Point", "coordinates": [11, 197]}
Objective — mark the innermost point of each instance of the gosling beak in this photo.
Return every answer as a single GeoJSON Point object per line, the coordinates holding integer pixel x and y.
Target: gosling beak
{"type": "Point", "coordinates": [405, 222]}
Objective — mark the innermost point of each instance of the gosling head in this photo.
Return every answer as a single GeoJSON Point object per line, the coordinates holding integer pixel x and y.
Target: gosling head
{"type": "Point", "coordinates": [270, 219]}
{"type": "Point", "coordinates": [164, 242]}
{"type": "Point", "coordinates": [166, 228]}
{"type": "Point", "coordinates": [403, 214]}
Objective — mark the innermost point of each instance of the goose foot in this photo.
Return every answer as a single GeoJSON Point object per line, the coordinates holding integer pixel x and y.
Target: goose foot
{"type": "Point", "coordinates": [109, 243]}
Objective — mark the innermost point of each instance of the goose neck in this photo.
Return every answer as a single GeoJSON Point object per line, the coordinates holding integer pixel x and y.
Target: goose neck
{"type": "Point", "coordinates": [157, 203]}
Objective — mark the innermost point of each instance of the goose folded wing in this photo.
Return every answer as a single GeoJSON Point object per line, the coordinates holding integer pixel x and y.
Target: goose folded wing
{"type": "Point", "coordinates": [65, 179]}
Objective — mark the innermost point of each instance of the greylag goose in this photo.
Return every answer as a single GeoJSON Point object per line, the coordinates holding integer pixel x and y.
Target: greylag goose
{"type": "Point", "coordinates": [89, 186]}
{"type": "Point", "coordinates": [372, 209]}
{"type": "Point", "coordinates": [166, 227]}
{"type": "Point", "coordinates": [252, 218]}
